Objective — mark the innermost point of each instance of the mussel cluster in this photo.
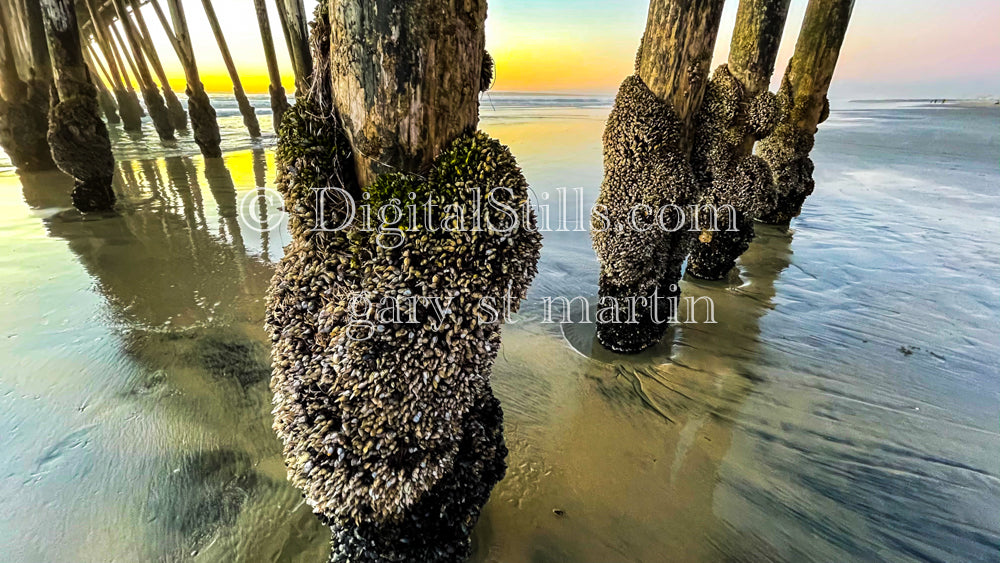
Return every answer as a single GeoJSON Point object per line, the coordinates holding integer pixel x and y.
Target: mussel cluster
{"type": "Point", "coordinates": [646, 172]}
{"type": "Point", "coordinates": [24, 123]}
{"type": "Point", "coordinates": [382, 349]}
{"type": "Point", "coordinates": [786, 151]}
{"type": "Point", "coordinates": [735, 186]}
{"type": "Point", "coordinates": [81, 148]}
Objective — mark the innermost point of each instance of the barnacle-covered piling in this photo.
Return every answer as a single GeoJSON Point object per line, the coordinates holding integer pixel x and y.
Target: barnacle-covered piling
{"type": "Point", "coordinates": [279, 99]}
{"type": "Point", "coordinates": [77, 135]}
{"type": "Point", "coordinates": [105, 99]}
{"type": "Point", "coordinates": [803, 97]}
{"type": "Point", "coordinates": [734, 186]}
{"type": "Point", "coordinates": [738, 111]}
{"type": "Point", "coordinates": [178, 117]}
{"type": "Point", "coordinates": [24, 106]}
{"type": "Point", "coordinates": [389, 427]}
{"type": "Point", "coordinates": [129, 109]}
{"type": "Point", "coordinates": [246, 109]}
{"type": "Point", "coordinates": [386, 413]}
{"type": "Point", "coordinates": [647, 173]}
{"type": "Point", "coordinates": [156, 105]}
{"type": "Point", "coordinates": [204, 123]}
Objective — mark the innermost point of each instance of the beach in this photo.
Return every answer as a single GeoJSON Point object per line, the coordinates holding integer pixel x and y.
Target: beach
{"type": "Point", "coordinates": [842, 408]}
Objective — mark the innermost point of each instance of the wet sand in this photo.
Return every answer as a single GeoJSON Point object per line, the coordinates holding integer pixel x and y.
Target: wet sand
{"type": "Point", "coordinates": [843, 408]}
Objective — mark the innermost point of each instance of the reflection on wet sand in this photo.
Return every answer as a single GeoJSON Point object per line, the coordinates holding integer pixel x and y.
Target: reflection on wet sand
{"type": "Point", "coordinates": [185, 296]}
{"type": "Point", "coordinates": [617, 458]}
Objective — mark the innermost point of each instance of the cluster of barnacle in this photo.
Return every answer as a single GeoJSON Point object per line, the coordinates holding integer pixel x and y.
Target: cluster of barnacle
{"type": "Point", "coordinates": [81, 148]}
{"type": "Point", "coordinates": [786, 151]}
{"type": "Point", "coordinates": [204, 123]}
{"type": "Point", "coordinates": [645, 169]}
{"type": "Point", "coordinates": [393, 434]}
{"type": "Point", "coordinates": [131, 110]}
{"type": "Point", "coordinates": [736, 186]}
{"type": "Point", "coordinates": [487, 72]}
{"type": "Point", "coordinates": [158, 112]}
{"type": "Point", "coordinates": [24, 124]}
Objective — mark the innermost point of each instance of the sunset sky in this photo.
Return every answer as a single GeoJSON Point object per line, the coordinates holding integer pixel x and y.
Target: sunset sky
{"type": "Point", "coordinates": [894, 48]}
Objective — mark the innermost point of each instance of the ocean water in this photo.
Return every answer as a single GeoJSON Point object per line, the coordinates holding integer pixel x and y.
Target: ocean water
{"type": "Point", "coordinates": [842, 408]}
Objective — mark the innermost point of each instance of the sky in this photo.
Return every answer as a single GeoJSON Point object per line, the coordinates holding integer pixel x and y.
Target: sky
{"type": "Point", "coordinates": [893, 49]}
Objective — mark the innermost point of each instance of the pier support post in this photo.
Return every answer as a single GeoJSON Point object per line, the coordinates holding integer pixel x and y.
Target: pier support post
{"type": "Point", "coordinates": [292, 15]}
{"type": "Point", "coordinates": [249, 117]}
{"type": "Point", "coordinates": [396, 438]}
{"type": "Point", "coordinates": [24, 121]}
{"type": "Point", "coordinates": [128, 103]}
{"type": "Point", "coordinates": [204, 123]}
{"type": "Point", "coordinates": [803, 96]}
{"type": "Point", "coordinates": [178, 117]}
{"type": "Point", "coordinates": [104, 98]}
{"type": "Point", "coordinates": [279, 99]}
{"type": "Point", "coordinates": [155, 104]}
{"type": "Point", "coordinates": [77, 135]}
{"type": "Point", "coordinates": [640, 237]}
{"type": "Point", "coordinates": [737, 111]}
{"type": "Point", "coordinates": [122, 54]}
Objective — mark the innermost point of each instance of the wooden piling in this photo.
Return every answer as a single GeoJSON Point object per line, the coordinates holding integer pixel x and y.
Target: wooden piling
{"type": "Point", "coordinates": [11, 85]}
{"type": "Point", "coordinates": [404, 80]}
{"type": "Point", "coordinates": [105, 99]}
{"type": "Point", "coordinates": [676, 53]}
{"type": "Point", "coordinates": [128, 103]}
{"type": "Point", "coordinates": [23, 108]}
{"type": "Point", "coordinates": [35, 29]}
{"type": "Point", "coordinates": [647, 168]}
{"type": "Point", "coordinates": [203, 118]}
{"type": "Point", "coordinates": [178, 117]}
{"type": "Point", "coordinates": [803, 94]}
{"type": "Point", "coordinates": [155, 104]}
{"type": "Point", "coordinates": [756, 38]}
{"type": "Point", "coordinates": [120, 55]}
{"type": "Point", "coordinates": [249, 117]}
{"type": "Point", "coordinates": [390, 86]}
{"type": "Point", "coordinates": [77, 135]}
{"type": "Point", "coordinates": [124, 56]}
{"type": "Point", "coordinates": [279, 99]}
{"type": "Point", "coordinates": [292, 14]}
{"type": "Point", "coordinates": [738, 111]}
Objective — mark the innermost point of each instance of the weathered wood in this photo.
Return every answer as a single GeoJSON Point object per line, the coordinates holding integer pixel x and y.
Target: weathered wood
{"type": "Point", "coordinates": [204, 122]}
{"type": "Point", "coordinates": [77, 135]}
{"type": "Point", "coordinates": [105, 99]}
{"type": "Point", "coordinates": [155, 104]}
{"type": "Point", "coordinates": [803, 94]}
{"type": "Point", "coordinates": [11, 85]}
{"type": "Point", "coordinates": [676, 53]}
{"type": "Point", "coordinates": [129, 108]}
{"type": "Point", "coordinates": [123, 54]}
{"type": "Point", "coordinates": [404, 96]}
{"type": "Point", "coordinates": [35, 29]}
{"type": "Point", "coordinates": [23, 108]}
{"type": "Point", "coordinates": [101, 39]}
{"type": "Point", "coordinates": [246, 109]}
{"type": "Point", "coordinates": [171, 36]}
{"type": "Point", "coordinates": [292, 14]}
{"type": "Point", "coordinates": [279, 100]}
{"type": "Point", "coordinates": [756, 38]}
{"type": "Point", "coordinates": [810, 71]}
{"type": "Point", "coordinates": [178, 117]}
{"type": "Point", "coordinates": [95, 63]}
